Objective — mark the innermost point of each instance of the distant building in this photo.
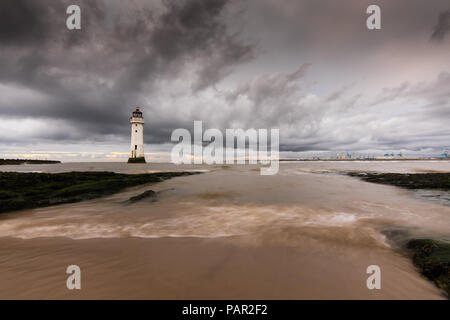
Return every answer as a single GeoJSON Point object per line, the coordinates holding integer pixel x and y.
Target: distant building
{"type": "Point", "coordinates": [137, 138]}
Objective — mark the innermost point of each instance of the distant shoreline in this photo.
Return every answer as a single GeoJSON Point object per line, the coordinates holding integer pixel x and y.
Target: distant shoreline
{"type": "Point", "coordinates": [26, 161]}
{"type": "Point", "coordinates": [30, 161]}
{"type": "Point", "coordinates": [350, 160]}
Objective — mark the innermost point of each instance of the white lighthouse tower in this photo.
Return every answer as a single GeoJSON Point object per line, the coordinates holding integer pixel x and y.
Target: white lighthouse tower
{"type": "Point", "coordinates": [137, 138]}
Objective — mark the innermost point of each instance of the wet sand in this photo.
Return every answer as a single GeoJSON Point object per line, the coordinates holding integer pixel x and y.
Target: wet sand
{"type": "Point", "coordinates": [189, 268]}
{"type": "Point", "coordinates": [306, 233]}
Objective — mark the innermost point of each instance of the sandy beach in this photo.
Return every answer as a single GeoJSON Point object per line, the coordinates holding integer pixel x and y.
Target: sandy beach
{"type": "Point", "coordinates": [228, 233]}
{"type": "Point", "coordinates": [189, 268]}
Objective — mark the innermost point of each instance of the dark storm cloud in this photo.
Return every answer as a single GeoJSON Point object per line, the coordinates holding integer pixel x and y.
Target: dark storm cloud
{"type": "Point", "coordinates": [31, 23]}
{"type": "Point", "coordinates": [187, 26]}
{"type": "Point", "coordinates": [310, 68]}
{"type": "Point", "coordinates": [16, 18]}
{"type": "Point", "coordinates": [25, 23]}
{"type": "Point", "coordinates": [442, 28]}
{"type": "Point", "coordinates": [98, 73]}
{"type": "Point", "coordinates": [189, 29]}
{"type": "Point", "coordinates": [270, 86]}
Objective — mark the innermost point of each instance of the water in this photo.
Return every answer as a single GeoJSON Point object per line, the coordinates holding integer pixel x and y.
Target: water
{"type": "Point", "coordinates": [441, 197]}
{"type": "Point", "coordinates": [307, 225]}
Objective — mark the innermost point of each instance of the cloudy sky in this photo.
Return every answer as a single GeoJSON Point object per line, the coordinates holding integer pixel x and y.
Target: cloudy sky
{"type": "Point", "coordinates": [308, 67]}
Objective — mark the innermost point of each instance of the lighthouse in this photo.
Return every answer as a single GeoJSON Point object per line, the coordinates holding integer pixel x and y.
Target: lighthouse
{"type": "Point", "coordinates": [137, 138]}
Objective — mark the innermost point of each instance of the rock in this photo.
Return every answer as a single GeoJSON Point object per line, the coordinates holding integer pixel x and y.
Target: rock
{"type": "Point", "coordinates": [32, 190]}
{"type": "Point", "coordinates": [407, 180]}
{"type": "Point", "coordinates": [432, 258]}
{"type": "Point", "coordinates": [147, 194]}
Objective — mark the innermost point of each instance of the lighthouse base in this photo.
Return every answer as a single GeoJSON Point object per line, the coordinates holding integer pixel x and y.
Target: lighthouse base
{"type": "Point", "coordinates": [136, 160]}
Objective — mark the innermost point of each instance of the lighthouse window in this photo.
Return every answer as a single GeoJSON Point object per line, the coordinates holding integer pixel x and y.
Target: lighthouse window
{"type": "Point", "coordinates": [136, 130]}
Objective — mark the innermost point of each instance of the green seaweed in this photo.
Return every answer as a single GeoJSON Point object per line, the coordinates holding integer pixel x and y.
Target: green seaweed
{"type": "Point", "coordinates": [407, 180]}
{"type": "Point", "coordinates": [31, 190]}
{"type": "Point", "coordinates": [432, 258]}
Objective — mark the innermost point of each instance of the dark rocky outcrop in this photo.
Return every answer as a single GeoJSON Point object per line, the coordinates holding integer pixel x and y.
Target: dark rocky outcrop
{"type": "Point", "coordinates": [407, 180]}
{"type": "Point", "coordinates": [432, 258]}
{"type": "Point", "coordinates": [145, 195]}
{"type": "Point", "coordinates": [31, 190]}
{"type": "Point", "coordinates": [25, 161]}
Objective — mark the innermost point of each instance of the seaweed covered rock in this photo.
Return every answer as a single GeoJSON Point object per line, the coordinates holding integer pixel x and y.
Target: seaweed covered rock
{"type": "Point", "coordinates": [26, 161]}
{"type": "Point", "coordinates": [407, 180]}
{"type": "Point", "coordinates": [433, 260]}
{"type": "Point", "coordinates": [145, 195]}
{"type": "Point", "coordinates": [31, 190]}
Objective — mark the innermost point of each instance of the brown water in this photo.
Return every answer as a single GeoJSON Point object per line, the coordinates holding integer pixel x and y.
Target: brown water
{"type": "Point", "coordinates": [307, 232]}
